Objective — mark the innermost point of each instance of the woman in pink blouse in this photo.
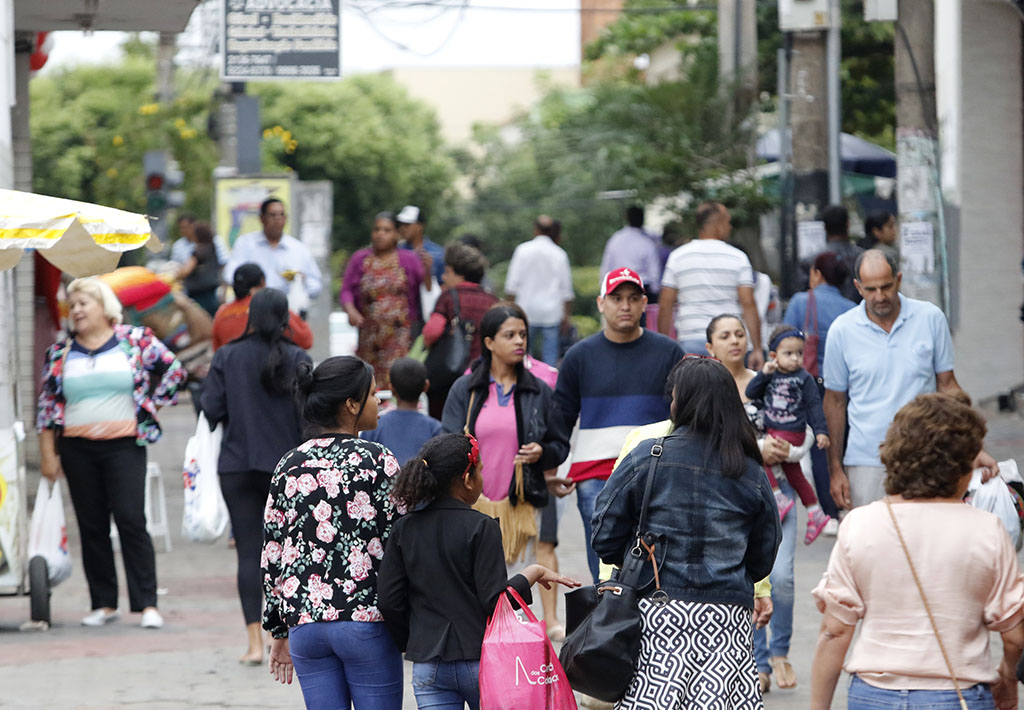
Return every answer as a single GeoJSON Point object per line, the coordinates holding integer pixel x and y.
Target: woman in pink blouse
{"type": "Point", "coordinates": [963, 558]}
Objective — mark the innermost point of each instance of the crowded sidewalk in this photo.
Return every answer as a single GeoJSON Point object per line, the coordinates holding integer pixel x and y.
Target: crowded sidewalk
{"type": "Point", "coordinates": [192, 661]}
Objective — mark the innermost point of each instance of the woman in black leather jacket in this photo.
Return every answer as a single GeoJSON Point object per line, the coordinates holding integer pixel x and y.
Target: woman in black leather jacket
{"type": "Point", "coordinates": [715, 517]}
{"type": "Point", "coordinates": [512, 415]}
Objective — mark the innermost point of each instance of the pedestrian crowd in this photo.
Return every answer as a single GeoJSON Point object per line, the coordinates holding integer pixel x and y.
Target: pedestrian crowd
{"type": "Point", "coordinates": [686, 427]}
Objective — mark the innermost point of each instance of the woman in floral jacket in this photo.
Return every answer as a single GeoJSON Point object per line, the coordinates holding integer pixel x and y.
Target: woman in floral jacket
{"type": "Point", "coordinates": [101, 389]}
{"type": "Point", "coordinates": [327, 520]}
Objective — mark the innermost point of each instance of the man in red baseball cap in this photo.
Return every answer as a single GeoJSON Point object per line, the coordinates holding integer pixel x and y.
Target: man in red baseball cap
{"type": "Point", "coordinates": [613, 382]}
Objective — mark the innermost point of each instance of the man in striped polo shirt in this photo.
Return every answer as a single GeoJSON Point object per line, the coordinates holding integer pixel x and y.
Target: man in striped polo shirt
{"type": "Point", "coordinates": [612, 381]}
{"type": "Point", "coordinates": [706, 278]}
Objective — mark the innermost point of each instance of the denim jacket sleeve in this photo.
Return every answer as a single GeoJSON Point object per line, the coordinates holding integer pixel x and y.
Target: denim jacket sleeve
{"type": "Point", "coordinates": [765, 535]}
{"type": "Point", "coordinates": [616, 510]}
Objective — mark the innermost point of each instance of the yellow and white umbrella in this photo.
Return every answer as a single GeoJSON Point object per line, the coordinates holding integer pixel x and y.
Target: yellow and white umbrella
{"type": "Point", "coordinates": [79, 238]}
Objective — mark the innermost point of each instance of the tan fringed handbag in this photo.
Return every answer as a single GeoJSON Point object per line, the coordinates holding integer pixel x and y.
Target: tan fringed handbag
{"type": "Point", "coordinates": [518, 522]}
{"type": "Point", "coordinates": [927, 607]}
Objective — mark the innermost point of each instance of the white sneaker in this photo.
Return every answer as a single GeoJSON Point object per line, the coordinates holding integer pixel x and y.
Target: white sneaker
{"type": "Point", "coordinates": [151, 619]}
{"type": "Point", "coordinates": [100, 617]}
{"type": "Point", "coordinates": [831, 528]}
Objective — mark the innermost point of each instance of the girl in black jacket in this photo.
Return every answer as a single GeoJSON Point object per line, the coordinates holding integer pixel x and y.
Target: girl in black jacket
{"type": "Point", "coordinates": [513, 415]}
{"type": "Point", "coordinates": [443, 571]}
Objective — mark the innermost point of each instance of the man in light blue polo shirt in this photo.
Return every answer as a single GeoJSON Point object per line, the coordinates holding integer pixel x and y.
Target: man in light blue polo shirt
{"type": "Point", "coordinates": [879, 356]}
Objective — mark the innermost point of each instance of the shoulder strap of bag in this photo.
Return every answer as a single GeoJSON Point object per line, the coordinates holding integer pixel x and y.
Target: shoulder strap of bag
{"type": "Point", "coordinates": [811, 313]}
{"type": "Point", "coordinates": [456, 311]}
{"type": "Point", "coordinates": [469, 413]}
{"type": "Point", "coordinates": [656, 450]}
{"type": "Point", "coordinates": [927, 607]}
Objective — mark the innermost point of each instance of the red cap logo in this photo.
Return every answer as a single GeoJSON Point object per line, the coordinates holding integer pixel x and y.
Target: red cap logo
{"type": "Point", "coordinates": [616, 277]}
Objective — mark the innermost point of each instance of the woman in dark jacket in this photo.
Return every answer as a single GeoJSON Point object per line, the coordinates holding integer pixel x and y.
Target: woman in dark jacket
{"type": "Point", "coordinates": [714, 517]}
{"type": "Point", "coordinates": [512, 415]}
{"type": "Point", "coordinates": [249, 389]}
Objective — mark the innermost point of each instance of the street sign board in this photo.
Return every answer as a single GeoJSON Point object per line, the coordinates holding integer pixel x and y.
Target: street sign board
{"type": "Point", "coordinates": [281, 39]}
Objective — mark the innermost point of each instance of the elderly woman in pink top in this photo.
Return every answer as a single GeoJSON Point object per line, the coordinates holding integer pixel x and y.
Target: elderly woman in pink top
{"type": "Point", "coordinates": [927, 576]}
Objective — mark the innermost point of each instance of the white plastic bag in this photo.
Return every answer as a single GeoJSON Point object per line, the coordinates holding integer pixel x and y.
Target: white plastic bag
{"type": "Point", "coordinates": [205, 517]}
{"type": "Point", "coordinates": [48, 537]}
{"type": "Point", "coordinates": [298, 296]}
{"type": "Point", "coordinates": [994, 496]}
{"type": "Point", "coordinates": [428, 298]}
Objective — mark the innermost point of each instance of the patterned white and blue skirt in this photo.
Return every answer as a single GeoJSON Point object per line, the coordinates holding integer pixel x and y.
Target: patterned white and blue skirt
{"type": "Point", "coordinates": [694, 655]}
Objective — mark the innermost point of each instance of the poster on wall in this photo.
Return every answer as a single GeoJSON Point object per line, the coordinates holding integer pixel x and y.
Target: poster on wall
{"type": "Point", "coordinates": [237, 203]}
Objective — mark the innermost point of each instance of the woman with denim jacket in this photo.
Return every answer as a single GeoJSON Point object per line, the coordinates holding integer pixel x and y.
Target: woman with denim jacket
{"type": "Point", "coordinates": [101, 388]}
{"type": "Point", "coordinates": [715, 519]}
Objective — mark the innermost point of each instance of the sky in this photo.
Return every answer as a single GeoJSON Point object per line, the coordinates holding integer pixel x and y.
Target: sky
{"type": "Point", "coordinates": [541, 33]}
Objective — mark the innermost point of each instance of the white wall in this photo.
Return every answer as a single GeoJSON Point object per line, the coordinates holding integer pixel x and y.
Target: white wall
{"type": "Point", "coordinates": [463, 96]}
{"type": "Point", "coordinates": [989, 175]}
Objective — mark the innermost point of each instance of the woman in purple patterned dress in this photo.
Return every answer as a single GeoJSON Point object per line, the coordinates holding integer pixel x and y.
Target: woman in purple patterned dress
{"type": "Point", "coordinates": [381, 294]}
{"type": "Point", "coordinates": [327, 520]}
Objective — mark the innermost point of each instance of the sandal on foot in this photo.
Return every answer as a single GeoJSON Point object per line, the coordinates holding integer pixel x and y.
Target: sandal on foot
{"type": "Point", "coordinates": [764, 680]}
{"type": "Point", "coordinates": [785, 676]}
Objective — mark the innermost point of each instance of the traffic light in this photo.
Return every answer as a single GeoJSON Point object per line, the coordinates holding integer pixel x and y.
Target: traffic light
{"type": "Point", "coordinates": [156, 196]}
{"type": "Point", "coordinates": [154, 165]}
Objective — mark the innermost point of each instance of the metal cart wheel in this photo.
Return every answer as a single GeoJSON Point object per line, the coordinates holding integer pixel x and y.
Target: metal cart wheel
{"type": "Point", "coordinates": [39, 588]}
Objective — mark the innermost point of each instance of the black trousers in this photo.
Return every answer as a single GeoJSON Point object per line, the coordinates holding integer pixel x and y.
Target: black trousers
{"type": "Point", "coordinates": [107, 477]}
{"type": "Point", "coordinates": [246, 493]}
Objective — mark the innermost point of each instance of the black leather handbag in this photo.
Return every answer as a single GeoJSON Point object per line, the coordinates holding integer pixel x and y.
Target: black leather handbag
{"type": "Point", "coordinates": [449, 356]}
{"type": "Point", "coordinates": [603, 621]}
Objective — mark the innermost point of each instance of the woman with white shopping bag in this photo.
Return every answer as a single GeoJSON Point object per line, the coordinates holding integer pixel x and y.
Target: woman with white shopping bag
{"type": "Point", "coordinates": [249, 389]}
{"type": "Point", "coordinates": [101, 388]}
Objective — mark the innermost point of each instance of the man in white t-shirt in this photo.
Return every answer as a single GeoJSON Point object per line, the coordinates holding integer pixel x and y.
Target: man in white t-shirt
{"type": "Point", "coordinates": [706, 278]}
{"type": "Point", "coordinates": [539, 280]}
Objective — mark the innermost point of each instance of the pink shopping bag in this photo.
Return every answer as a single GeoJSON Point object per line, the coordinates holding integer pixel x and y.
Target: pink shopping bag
{"type": "Point", "coordinates": [519, 669]}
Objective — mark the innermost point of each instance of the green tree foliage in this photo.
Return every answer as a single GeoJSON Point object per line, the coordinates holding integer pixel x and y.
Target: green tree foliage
{"type": "Point", "coordinates": [868, 90]}
{"type": "Point", "coordinates": [664, 140]}
{"type": "Point", "coordinates": [92, 124]}
{"type": "Point", "coordinates": [379, 147]}
{"type": "Point", "coordinates": [868, 93]}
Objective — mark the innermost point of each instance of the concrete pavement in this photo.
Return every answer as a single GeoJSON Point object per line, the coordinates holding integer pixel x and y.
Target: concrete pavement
{"type": "Point", "coordinates": [191, 662]}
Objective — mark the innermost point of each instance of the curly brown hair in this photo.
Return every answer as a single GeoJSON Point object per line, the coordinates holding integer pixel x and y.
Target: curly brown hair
{"type": "Point", "coordinates": [930, 445]}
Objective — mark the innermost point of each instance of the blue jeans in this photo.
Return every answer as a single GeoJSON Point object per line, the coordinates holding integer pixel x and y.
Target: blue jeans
{"type": "Point", "coordinates": [346, 663]}
{"type": "Point", "coordinates": [548, 342]}
{"type": "Point", "coordinates": [446, 685]}
{"type": "Point", "coordinates": [586, 496]}
{"type": "Point", "coordinates": [695, 347]}
{"type": "Point", "coordinates": [782, 596]}
{"type": "Point", "coordinates": [863, 696]}
{"type": "Point", "coordinates": [823, 482]}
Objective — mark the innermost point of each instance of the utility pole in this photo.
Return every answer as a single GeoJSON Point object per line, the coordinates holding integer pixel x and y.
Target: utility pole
{"type": "Point", "coordinates": [809, 124]}
{"type": "Point", "coordinates": [737, 48]}
{"type": "Point", "coordinates": [165, 49]}
{"type": "Point", "coordinates": [922, 229]}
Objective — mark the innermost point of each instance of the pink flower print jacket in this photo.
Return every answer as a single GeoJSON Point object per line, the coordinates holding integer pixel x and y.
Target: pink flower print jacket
{"type": "Point", "coordinates": [156, 372]}
{"type": "Point", "coordinates": [327, 519]}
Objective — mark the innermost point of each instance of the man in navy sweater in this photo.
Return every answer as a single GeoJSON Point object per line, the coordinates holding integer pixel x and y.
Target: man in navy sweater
{"type": "Point", "coordinates": [613, 382]}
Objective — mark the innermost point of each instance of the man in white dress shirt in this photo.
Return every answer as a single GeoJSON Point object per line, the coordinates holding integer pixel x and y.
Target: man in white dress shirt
{"type": "Point", "coordinates": [539, 280]}
{"type": "Point", "coordinates": [282, 257]}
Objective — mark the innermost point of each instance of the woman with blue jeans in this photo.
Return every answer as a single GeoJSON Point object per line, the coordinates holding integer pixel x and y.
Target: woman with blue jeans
{"type": "Point", "coordinates": [926, 577]}
{"type": "Point", "coordinates": [443, 572]}
{"type": "Point", "coordinates": [727, 341]}
{"type": "Point", "coordinates": [327, 520]}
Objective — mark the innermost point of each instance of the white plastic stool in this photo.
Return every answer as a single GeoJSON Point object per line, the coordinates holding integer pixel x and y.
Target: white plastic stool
{"type": "Point", "coordinates": [156, 524]}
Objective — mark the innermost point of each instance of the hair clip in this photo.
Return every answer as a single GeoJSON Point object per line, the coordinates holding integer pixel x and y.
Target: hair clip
{"type": "Point", "coordinates": [474, 453]}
